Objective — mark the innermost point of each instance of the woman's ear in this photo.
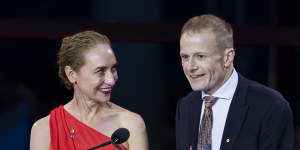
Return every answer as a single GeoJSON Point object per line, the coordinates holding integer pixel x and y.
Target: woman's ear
{"type": "Point", "coordinates": [228, 57]}
{"type": "Point", "coordinates": [71, 74]}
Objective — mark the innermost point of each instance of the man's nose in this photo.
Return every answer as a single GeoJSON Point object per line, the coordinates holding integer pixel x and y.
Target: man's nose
{"type": "Point", "coordinates": [192, 66]}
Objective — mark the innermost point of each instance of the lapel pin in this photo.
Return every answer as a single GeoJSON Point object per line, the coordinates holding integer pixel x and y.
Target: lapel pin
{"type": "Point", "coordinates": [227, 140]}
{"type": "Point", "coordinates": [73, 133]}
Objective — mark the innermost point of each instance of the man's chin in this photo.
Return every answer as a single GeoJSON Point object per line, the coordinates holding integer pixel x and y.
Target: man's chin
{"type": "Point", "coordinates": [197, 88]}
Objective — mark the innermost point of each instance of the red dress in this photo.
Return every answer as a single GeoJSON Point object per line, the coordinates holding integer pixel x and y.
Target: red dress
{"type": "Point", "coordinates": [68, 133]}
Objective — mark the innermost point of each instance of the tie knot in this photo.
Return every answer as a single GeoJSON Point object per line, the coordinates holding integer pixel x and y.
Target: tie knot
{"type": "Point", "coordinates": [210, 100]}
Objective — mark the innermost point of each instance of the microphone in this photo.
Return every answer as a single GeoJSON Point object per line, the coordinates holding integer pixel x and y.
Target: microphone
{"type": "Point", "coordinates": [119, 136]}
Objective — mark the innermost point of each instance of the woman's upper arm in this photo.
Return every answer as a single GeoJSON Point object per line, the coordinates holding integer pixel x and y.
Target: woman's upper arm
{"type": "Point", "coordinates": [138, 139]}
{"type": "Point", "coordinates": [40, 135]}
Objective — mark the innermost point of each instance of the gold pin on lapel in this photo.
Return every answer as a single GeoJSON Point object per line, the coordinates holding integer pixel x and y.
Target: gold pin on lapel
{"type": "Point", "coordinates": [227, 140]}
{"type": "Point", "coordinates": [73, 133]}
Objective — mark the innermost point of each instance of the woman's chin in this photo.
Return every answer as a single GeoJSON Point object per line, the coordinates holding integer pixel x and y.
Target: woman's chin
{"type": "Point", "coordinates": [103, 99]}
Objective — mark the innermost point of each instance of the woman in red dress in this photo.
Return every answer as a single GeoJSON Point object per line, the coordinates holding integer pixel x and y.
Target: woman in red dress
{"type": "Point", "coordinates": [87, 65]}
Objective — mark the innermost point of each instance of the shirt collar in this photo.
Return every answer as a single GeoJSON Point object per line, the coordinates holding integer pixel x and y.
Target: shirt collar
{"type": "Point", "coordinates": [226, 91]}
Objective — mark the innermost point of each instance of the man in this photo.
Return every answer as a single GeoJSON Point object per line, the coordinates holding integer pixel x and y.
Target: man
{"type": "Point", "coordinates": [225, 110]}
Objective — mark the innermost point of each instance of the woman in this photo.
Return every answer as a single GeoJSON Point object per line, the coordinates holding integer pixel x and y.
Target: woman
{"type": "Point", "coordinates": [88, 65]}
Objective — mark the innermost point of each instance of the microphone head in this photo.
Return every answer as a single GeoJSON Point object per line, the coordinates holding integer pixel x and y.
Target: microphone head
{"type": "Point", "coordinates": [120, 135]}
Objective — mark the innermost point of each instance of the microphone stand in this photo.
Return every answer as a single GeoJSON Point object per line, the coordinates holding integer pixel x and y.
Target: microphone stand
{"type": "Point", "coordinates": [106, 143]}
{"type": "Point", "coordinates": [116, 145]}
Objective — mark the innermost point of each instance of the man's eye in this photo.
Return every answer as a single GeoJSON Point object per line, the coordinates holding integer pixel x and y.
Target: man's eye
{"type": "Point", "coordinates": [114, 69]}
{"type": "Point", "coordinates": [184, 56]}
{"type": "Point", "coordinates": [200, 56]}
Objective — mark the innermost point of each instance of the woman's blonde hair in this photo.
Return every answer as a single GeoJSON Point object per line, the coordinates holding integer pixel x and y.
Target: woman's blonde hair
{"type": "Point", "coordinates": [72, 50]}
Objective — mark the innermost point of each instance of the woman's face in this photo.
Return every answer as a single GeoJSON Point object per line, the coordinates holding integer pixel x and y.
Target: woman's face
{"type": "Point", "coordinates": [96, 78]}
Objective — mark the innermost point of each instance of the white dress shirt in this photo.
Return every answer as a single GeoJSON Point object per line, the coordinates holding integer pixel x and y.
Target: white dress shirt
{"type": "Point", "coordinates": [220, 108]}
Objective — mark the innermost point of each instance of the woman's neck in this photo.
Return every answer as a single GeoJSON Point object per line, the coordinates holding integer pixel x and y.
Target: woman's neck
{"type": "Point", "coordinates": [86, 109]}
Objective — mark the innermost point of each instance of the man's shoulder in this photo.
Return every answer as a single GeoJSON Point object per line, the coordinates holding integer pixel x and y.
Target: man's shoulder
{"type": "Point", "coordinates": [259, 93]}
{"type": "Point", "coordinates": [190, 97]}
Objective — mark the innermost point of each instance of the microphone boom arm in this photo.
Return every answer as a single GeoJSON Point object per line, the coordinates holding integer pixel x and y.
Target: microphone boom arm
{"type": "Point", "coordinates": [104, 144]}
{"type": "Point", "coordinates": [116, 145]}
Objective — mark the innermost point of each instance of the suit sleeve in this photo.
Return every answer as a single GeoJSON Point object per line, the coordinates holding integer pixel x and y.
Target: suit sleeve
{"type": "Point", "coordinates": [178, 126]}
{"type": "Point", "coordinates": [277, 132]}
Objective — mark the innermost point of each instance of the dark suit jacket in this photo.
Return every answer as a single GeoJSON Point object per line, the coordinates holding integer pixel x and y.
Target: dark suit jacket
{"type": "Point", "coordinates": [259, 118]}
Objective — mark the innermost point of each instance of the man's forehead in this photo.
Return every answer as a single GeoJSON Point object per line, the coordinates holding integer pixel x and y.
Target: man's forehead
{"type": "Point", "coordinates": [204, 42]}
{"type": "Point", "coordinates": [195, 35]}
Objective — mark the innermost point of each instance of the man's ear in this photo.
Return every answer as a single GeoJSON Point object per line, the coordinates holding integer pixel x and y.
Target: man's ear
{"type": "Point", "coordinates": [228, 57]}
{"type": "Point", "coordinates": [71, 74]}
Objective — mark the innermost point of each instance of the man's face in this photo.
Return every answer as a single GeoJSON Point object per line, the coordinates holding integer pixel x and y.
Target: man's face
{"type": "Point", "coordinates": [202, 61]}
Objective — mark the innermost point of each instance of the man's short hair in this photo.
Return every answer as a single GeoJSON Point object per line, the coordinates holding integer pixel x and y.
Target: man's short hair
{"type": "Point", "coordinates": [222, 30]}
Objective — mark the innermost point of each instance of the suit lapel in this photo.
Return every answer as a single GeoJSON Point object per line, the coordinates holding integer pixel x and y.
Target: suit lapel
{"type": "Point", "coordinates": [236, 115]}
{"type": "Point", "coordinates": [194, 118]}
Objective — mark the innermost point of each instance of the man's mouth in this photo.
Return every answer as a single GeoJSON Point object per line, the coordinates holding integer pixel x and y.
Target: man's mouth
{"type": "Point", "coordinates": [195, 77]}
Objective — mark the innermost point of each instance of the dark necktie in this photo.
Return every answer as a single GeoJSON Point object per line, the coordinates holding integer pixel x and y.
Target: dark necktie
{"type": "Point", "coordinates": [204, 137]}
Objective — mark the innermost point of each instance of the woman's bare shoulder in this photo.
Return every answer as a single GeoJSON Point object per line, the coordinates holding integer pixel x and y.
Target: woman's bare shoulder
{"type": "Point", "coordinates": [40, 134]}
{"type": "Point", "coordinates": [42, 124]}
{"type": "Point", "coordinates": [133, 119]}
{"type": "Point", "coordinates": [134, 122]}
{"type": "Point", "coordinates": [129, 118]}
